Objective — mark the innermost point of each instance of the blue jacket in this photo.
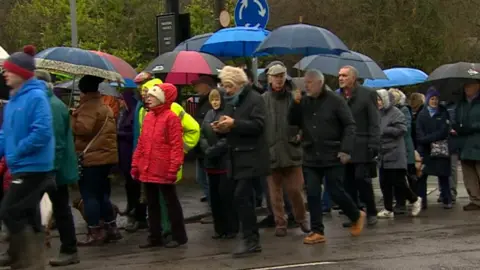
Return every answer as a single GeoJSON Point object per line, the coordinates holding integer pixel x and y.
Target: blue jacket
{"type": "Point", "coordinates": [26, 137]}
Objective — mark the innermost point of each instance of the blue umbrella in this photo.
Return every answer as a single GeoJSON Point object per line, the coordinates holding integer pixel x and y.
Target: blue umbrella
{"type": "Point", "coordinates": [76, 62]}
{"type": "Point", "coordinates": [398, 77]}
{"type": "Point", "coordinates": [129, 83]}
{"type": "Point", "coordinates": [193, 43]}
{"type": "Point", "coordinates": [302, 39]}
{"type": "Point", "coordinates": [234, 42]}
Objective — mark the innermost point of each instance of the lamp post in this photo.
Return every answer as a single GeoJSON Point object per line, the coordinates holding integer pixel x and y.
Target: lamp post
{"type": "Point", "coordinates": [73, 22]}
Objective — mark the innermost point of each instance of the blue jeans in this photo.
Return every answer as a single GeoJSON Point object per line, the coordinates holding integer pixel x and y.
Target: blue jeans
{"type": "Point", "coordinates": [95, 190]}
{"type": "Point", "coordinates": [202, 178]}
{"type": "Point", "coordinates": [333, 176]}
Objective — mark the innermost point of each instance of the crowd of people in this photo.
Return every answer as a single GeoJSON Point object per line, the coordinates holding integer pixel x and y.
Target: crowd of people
{"type": "Point", "coordinates": [277, 142]}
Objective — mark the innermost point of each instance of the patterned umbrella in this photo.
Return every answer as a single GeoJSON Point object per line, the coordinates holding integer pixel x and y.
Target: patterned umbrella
{"type": "Point", "coordinates": [184, 66]}
{"type": "Point", "coordinates": [76, 62]}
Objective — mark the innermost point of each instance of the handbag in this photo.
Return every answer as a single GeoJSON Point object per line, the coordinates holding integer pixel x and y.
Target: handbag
{"type": "Point", "coordinates": [439, 149]}
{"type": "Point", "coordinates": [81, 155]}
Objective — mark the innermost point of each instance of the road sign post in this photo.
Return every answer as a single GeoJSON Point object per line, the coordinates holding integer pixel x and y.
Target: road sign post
{"type": "Point", "coordinates": [252, 13]}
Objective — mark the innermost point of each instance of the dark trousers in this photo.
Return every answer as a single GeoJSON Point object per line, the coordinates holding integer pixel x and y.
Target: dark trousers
{"type": "Point", "coordinates": [444, 183]}
{"type": "Point", "coordinates": [133, 190]}
{"type": "Point", "coordinates": [244, 203]}
{"type": "Point", "coordinates": [21, 204]}
{"type": "Point", "coordinates": [422, 189]}
{"type": "Point", "coordinates": [95, 190]}
{"type": "Point", "coordinates": [62, 214]}
{"type": "Point", "coordinates": [334, 184]}
{"type": "Point", "coordinates": [391, 179]}
{"type": "Point", "coordinates": [358, 185]}
{"type": "Point", "coordinates": [412, 183]}
{"type": "Point", "coordinates": [221, 197]}
{"type": "Point", "coordinates": [174, 209]}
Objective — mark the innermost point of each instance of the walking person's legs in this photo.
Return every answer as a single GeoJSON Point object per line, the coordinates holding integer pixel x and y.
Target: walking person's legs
{"type": "Point", "coordinates": [471, 179]}
{"type": "Point", "coordinates": [152, 193]}
{"type": "Point", "coordinates": [275, 191]}
{"type": "Point", "coordinates": [62, 214]}
{"type": "Point", "coordinates": [400, 183]}
{"type": "Point", "coordinates": [386, 184]}
{"type": "Point", "coordinates": [219, 223]}
{"type": "Point", "coordinates": [445, 191]}
{"type": "Point", "coordinates": [108, 214]}
{"type": "Point", "coordinates": [294, 188]}
{"type": "Point", "coordinates": [175, 213]}
{"type": "Point", "coordinates": [226, 189]}
{"type": "Point", "coordinates": [313, 180]}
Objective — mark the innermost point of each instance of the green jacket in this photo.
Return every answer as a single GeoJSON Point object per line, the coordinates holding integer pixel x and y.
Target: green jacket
{"type": "Point", "coordinates": [467, 125]}
{"type": "Point", "coordinates": [65, 156]}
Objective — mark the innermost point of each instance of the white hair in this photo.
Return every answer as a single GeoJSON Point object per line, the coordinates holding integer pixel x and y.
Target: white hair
{"type": "Point", "coordinates": [353, 70]}
{"type": "Point", "coordinates": [316, 74]}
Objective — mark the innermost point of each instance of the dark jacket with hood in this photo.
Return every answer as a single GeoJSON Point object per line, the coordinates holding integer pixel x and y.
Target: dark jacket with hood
{"type": "Point", "coordinates": [284, 145]}
{"type": "Point", "coordinates": [214, 146]}
{"type": "Point", "coordinates": [432, 129]}
{"type": "Point", "coordinates": [328, 128]}
{"type": "Point", "coordinates": [203, 106]}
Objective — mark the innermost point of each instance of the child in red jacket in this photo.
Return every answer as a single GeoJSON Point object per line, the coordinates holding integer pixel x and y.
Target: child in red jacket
{"type": "Point", "coordinates": [156, 161]}
{"type": "Point", "coordinates": [7, 177]}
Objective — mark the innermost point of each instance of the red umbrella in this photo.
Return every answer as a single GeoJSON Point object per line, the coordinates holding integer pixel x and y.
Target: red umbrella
{"type": "Point", "coordinates": [119, 64]}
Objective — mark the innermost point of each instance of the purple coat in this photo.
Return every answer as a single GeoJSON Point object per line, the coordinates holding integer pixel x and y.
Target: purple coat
{"type": "Point", "coordinates": [125, 133]}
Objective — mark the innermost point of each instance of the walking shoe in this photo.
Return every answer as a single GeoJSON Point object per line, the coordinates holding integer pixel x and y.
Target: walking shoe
{"type": "Point", "coordinates": [280, 232]}
{"type": "Point", "coordinates": [247, 247]}
{"type": "Point", "coordinates": [203, 199]}
{"type": "Point", "coordinates": [267, 222]}
{"type": "Point", "coordinates": [347, 224]}
{"type": "Point", "coordinates": [385, 214]}
{"type": "Point", "coordinates": [416, 207]}
{"type": "Point", "coordinates": [112, 232]}
{"type": "Point", "coordinates": [471, 207]}
{"type": "Point", "coordinates": [372, 220]}
{"type": "Point", "coordinates": [314, 238]}
{"type": "Point", "coordinates": [64, 259]}
{"type": "Point", "coordinates": [95, 237]}
{"type": "Point", "coordinates": [357, 227]}
{"type": "Point", "coordinates": [447, 206]}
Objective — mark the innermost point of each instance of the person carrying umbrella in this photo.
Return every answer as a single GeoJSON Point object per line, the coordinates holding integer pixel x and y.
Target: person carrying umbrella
{"type": "Point", "coordinates": [362, 168]}
{"type": "Point", "coordinates": [27, 142]}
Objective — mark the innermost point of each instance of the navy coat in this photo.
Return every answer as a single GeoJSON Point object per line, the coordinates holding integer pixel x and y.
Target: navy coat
{"type": "Point", "coordinates": [432, 129]}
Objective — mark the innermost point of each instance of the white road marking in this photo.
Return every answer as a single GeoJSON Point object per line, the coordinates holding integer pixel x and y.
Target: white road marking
{"type": "Point", "coordinates": [288, 266]}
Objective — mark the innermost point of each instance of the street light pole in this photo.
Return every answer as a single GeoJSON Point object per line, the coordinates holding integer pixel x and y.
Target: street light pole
{"type": "Point", "coordinates": [73, 22]}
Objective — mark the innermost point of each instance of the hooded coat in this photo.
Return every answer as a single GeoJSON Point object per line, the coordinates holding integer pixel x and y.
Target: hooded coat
{"type": "Point", "coordinates": [159, 153]}
{"type": "Point", "coordinates": [393, 126]}
{"type": "Point", "coordinates": [400, 102]}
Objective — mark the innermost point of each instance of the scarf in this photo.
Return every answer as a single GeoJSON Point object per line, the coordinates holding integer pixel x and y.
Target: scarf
{"type": "Point", "coordinates": [432, 111]}
{"type": "Point", "coordinates": [233, 99]}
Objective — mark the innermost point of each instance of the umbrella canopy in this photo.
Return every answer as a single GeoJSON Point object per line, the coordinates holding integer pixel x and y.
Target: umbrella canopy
{"type": "Point", "coordinates": [301, 39]}
{"type": "Point", "coordinates": [331, 64]}
{"type": "Point", "coordinates": [450, 79]}
{"type": "Point", "coordinates": [104, 88]}
{"type": "Point", "coordinates": [398, 77]}
{"type": "Point", "coordinates": [184, 66]}
{"type": "Point", "coordinates": [193, 43]}
{"type": "Point", "coordinates": [76, 61]}
{"type": "Point", "coordinates": [122, 67]}
{"type": "Point", "coordinates": [234, 42]}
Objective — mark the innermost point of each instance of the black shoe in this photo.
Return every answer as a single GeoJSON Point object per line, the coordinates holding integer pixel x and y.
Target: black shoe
{"type": "Point", "coordinates": [203, 199]}
{"type": "Point", "coordinates": [151, 243]}
{"type": "Point", "coordinates": [230, 236]}
{"type": "Point", "coordinates": [247, 247]}
{"type": "Point", "coordinates": [267, 222]}
{"type": "Point", "coordinates": [173, 244]}
{"type": "Point", "coordinates": [335, 207]}
{"type": "Point", "coordinates": [64, 259]}
{"type": "Point", "coordinates": [217, 236]}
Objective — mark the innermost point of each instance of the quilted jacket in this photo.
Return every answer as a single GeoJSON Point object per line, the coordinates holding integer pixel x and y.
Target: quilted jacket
{"type": "Point", "coordinates": [159, 153]}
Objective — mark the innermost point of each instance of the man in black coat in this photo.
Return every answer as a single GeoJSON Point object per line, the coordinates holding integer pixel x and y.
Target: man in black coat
{"type": "Point", "coordinates": [244, 126]}
{"type": "Point", "coordinates": [328, 137]}
{"type": "Point", "coordinates": [361, 168]}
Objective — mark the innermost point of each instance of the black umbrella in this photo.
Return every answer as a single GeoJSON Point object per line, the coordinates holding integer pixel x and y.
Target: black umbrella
{"type": "Point", "coordinates": [331, 64]}
{"type": "Point", "coordinates": [449, 79]}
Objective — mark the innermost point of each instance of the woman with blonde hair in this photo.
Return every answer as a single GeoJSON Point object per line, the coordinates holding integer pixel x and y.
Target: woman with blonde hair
{"type": "Point", "coordinates": [244, 127]}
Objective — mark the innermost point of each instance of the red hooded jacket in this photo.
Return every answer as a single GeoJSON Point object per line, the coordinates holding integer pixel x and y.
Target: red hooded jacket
{"type": "Point", "coordinates": [159, 153]}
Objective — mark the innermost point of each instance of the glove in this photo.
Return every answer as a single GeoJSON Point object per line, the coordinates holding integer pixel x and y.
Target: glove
{"type": "Point", "coordinates": [344, 157]}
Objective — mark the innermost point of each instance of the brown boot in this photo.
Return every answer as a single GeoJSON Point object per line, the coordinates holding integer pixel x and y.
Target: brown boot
{"type": "Point", "coordinates": [357, 227]}
{"type": "Point", "coordinates": [314, 238]}
{"type": "Point", "coordinates": [95, 237]}
{"type": "Point", "coordinates": [113, 234]}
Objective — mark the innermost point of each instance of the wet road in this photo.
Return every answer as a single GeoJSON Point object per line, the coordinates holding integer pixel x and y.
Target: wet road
{"type": "Point", "coordinates": [437, 239]}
